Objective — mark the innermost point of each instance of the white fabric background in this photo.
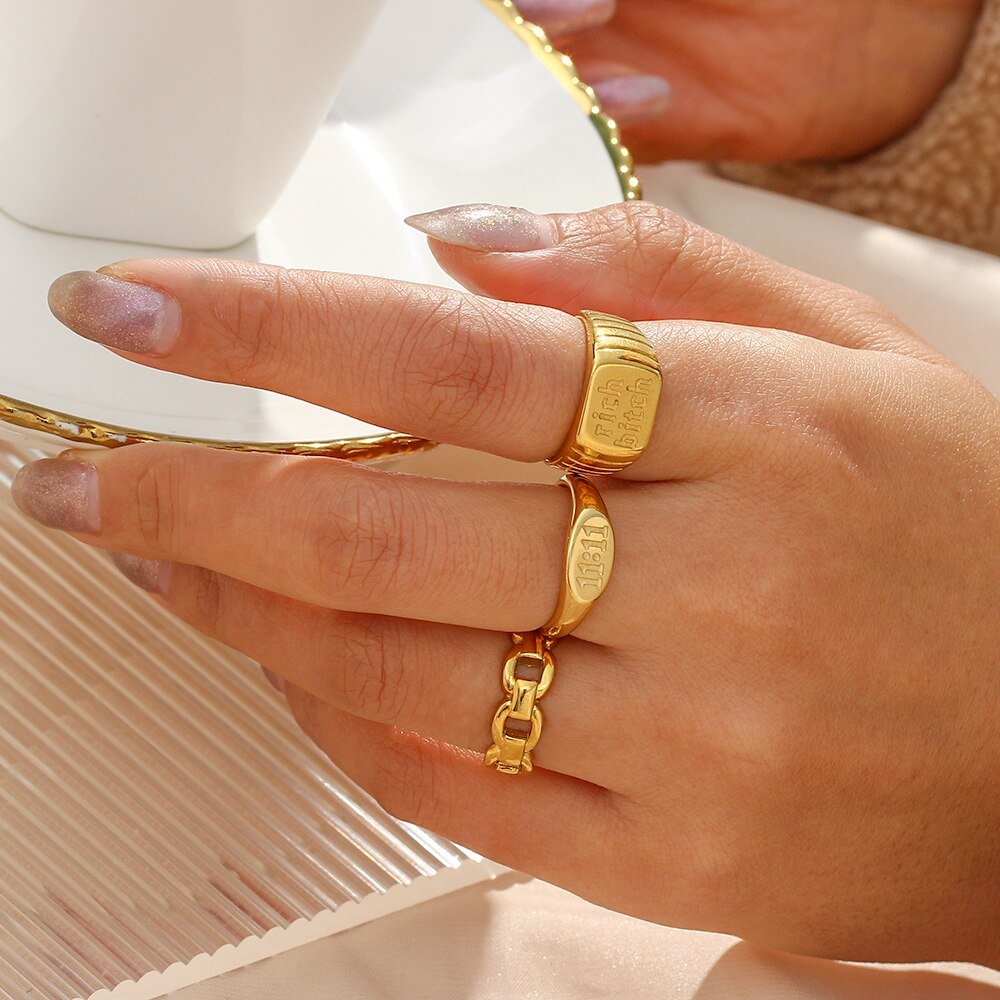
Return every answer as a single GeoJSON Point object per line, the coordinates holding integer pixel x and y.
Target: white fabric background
{"type": "Point", "coordinates": [523, 940]}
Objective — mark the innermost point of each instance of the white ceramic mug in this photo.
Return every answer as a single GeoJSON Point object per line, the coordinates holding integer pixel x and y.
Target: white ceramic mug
{"type": "Point", "coordinates": [172, 122]}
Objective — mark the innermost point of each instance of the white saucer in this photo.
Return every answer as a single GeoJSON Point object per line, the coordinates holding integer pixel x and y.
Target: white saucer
{"type": "Point", "coordinates": [447, 103]}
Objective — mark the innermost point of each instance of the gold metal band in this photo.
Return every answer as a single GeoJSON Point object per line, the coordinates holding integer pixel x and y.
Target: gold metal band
{"type": "Point", "coordinates": [517, 724]}
{"type": "Point", "coordinates": [529, 667]}
{"type": "Point", "coordinates": [612, 428]}
{"type": "Point", "coordinates": [614, 421]}
{"type": "Point", "coordinates": [590, 557]}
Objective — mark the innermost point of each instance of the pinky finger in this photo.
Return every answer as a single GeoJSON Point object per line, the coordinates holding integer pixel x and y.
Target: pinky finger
{"type": "Point", "coordinates": [541, 823]}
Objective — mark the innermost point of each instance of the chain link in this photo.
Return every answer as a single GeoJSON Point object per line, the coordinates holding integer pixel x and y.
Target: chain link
{"type": "Point", "coordinates": [517, 724]}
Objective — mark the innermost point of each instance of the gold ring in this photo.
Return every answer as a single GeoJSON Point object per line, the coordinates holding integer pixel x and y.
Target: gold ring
{"type": "Point", "coordinates": [517, 724]}
{"type": "Point", "coordinates": [614, 421]}
{"type": "Point", "coordinates": [590, 557]}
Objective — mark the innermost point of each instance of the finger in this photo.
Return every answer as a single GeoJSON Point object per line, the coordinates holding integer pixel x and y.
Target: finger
{"type": "Point", "coordinates": [451, 792]}
{"type": "Point", "coordinates": [448, 366]}
{"type": "Point", "coordinates": [437, 680]}
{"type": "Point", "coordinates": [628, 96]}
{"type": "Point", "coordinates": [484, 555]}
{"type": "Point", "coordinates": [625, 94]}
{"type": "Point", "coordinates": [666, 111]}
{"type": "Point", "coordinates": [643, 261]}
{"type": "Point", "coordinates": [564, 17]}
{"type": "Point", "coordinates": [724, 108]}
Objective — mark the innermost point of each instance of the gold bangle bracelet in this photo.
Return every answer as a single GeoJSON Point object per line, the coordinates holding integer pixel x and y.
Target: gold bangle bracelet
{"type": "Point", "coordinates": [590, 558]}
{"type": "Point", "coordinates": [614, 421]}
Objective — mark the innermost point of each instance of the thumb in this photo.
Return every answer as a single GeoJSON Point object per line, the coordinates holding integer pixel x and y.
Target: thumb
{"type": "Point", "coordinates": [642, 261]}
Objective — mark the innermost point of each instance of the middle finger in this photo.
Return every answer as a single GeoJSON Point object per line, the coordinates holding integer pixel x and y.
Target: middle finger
{"type": "Point", "coordinates": [485, 555]}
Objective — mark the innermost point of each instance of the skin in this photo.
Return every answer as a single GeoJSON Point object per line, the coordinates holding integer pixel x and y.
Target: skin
{"type": "Point", "coordinates": [780, 719]}
{"type": "Point", "coordinates": [771, 80]}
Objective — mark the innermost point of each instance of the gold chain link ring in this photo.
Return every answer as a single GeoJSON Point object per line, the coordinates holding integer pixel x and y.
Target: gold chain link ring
{"type": "Point", "coordinates": [517, 724]}
{"type": "Point", "coordinates": [590, 557]}
{"type": "Point", "coordinates": [614, 421]}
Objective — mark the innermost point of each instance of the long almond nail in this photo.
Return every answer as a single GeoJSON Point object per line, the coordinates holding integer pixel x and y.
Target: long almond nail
{"type": "Point", "coordinates": [560, 17]}
{"type": "Point", "coordinates": [634, 97]}
{"type": "Point", "coordinates": [59, 494]}
{"type": "Point", "coordinates": [149, 574]}
{"type": "Point", "coordinates": [489, 228]}
{"type": "Point", "coordinates": [120, 314]}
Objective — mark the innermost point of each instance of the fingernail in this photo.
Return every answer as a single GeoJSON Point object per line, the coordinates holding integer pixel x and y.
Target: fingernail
{"type": "Point", "coordinates": [59, 494]}
{"type": "Point", "coordinates": [278, 683]}
{"type": "Point", "coordinates": [149, 574]}
{"type": "Point", "coordinates": [633, 97]}
{"type": "Point", "coordinates": [488, 228]}
{"type": "Point", "coordinates": [560, 17]}
{"type": "Point", "coordinates": [117, 313]}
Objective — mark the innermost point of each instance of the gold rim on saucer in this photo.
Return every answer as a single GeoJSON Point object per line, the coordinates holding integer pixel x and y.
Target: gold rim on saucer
{"type": "Point", "coordinates": [79, 430]}
{"type": "Point", "coordinates": [87, 432]}
{"type": "Point", "coordinates": [563, 69]}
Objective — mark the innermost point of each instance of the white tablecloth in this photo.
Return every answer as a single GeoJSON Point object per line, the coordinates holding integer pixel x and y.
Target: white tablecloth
{"type": "Point", "coordinates": [524, 940]}
{"type": "Point", "coordinates": [521, 939]}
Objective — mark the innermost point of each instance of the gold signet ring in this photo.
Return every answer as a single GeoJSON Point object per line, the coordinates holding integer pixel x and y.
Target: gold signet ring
{"type": "Point", "coordinates": [614, 421]}
{"type": "Point", "coordinates": [590, 557]}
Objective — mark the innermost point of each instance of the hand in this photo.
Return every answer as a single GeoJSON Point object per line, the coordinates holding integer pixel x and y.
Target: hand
{"type": "Point", "coordinates": [780, 720]}
{"type": "Point", "coordinates": [762, 80]}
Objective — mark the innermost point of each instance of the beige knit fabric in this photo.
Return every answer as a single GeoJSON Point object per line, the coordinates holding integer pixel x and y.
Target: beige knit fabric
{"type": "Point", "coordinates": [942, 178]}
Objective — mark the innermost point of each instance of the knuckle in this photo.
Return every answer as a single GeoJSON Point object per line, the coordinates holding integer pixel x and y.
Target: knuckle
{"type": "Point", "coordinates": [457, 362]}
{"type": "Point", "coordinates": [155, 502]}
{"type": "Point", "coordinates": [373, 680]}
{"type": "Point", "coordinates": [661, 251]}
{"type": "Point", "coordinates": [883, 330]}
{"type": "Point", "coordinates": [260, 318]}
{"type": "Point", "coordinates": [641, 225]}
{"type": "Point", "coordinates": [353, 536]}
{"type": "Point", "coordinates": [653, 225]}
{"type": "Point", "coordinates": [756, 125]}
{"type": "Point", "coordinates": [867, 322]}
{"type": "Point", "coordinates": [207, 602]}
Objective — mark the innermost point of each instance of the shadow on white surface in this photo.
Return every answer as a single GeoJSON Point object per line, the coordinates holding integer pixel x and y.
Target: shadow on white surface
{"type": "Point", "coordinates": [520, 939]}
{"type": "Point", "coordinates": [748, 973]}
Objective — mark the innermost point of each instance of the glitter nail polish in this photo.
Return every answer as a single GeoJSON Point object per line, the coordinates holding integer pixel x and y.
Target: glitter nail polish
{"type": "Point", "coordinates": [489, 228]}
{"type": "Point", "coordinates": [148, 574]}
{"type": "Point", "coordinates": [59, 494]}
{"type": "Point", "coordinates": [123, 315]}
{"type": "Point", "coordinates": [633, 97]}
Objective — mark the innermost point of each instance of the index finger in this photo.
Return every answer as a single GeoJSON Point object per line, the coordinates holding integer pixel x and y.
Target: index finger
{"type": "Point", "coordinates": [495, 376]}
{"type": "Point", "coordinates": [453, 367]}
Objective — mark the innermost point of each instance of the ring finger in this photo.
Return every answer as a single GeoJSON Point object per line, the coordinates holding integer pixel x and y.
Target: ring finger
{"type": "Point", "coordinates": [436, 680]}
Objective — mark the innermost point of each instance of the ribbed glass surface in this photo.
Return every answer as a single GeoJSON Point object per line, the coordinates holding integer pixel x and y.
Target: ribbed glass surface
{"type": "Point", "coordinates": [156, 800]}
